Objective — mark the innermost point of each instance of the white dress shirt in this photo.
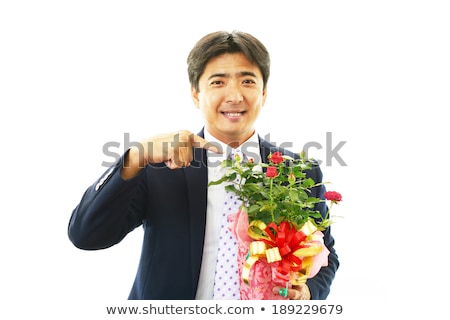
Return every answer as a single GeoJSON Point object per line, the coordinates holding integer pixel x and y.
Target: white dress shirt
{"type": "Point", "coordinates": [214, 209]}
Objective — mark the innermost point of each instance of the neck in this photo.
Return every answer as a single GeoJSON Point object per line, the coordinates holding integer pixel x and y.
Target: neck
{"type": "Point", "coordinates": [234, 141]}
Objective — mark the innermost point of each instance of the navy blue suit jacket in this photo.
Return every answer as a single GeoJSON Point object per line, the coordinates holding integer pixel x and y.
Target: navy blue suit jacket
{"type": "Point", "coordinates": [171, 207]}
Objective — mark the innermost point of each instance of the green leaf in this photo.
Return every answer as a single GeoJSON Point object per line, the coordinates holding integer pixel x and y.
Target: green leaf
{"type": "Point", "coordinates": [221, 180]}
{"type": "Point", "coordinates": [253, 209]}
{"type": "Point", "coordinates": [293, 195]}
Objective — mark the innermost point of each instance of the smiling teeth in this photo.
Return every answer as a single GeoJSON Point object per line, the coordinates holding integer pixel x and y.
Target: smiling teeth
{"type": "Point", "coordinates": [233, 114]}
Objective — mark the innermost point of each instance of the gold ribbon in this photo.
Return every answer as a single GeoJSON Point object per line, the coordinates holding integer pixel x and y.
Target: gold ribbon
{"type": "Point", "coordinates": [273, 254]}
{"type": "Point", "coordinates": [256, 230]}
{"type": "Point", "coordinates": [257, 248]}
{"type": "Point", "coordinates": [308, 228]}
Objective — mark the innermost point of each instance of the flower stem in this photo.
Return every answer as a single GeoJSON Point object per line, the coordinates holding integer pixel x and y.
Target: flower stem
{"type": "Point", "coordinates": [328, 211]}
{"type": "Point", "coordinates": [271, 200]}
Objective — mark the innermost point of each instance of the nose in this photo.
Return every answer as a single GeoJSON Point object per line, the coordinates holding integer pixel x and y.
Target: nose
{"type": "Point", "coordinates": [233, 94]}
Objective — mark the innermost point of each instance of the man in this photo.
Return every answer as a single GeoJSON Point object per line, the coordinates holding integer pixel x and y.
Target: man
{"type": "Point", "coordinates": [162, 184]}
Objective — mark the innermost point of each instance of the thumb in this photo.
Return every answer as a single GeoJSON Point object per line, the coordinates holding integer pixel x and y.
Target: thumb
{"type": "Point", "coordinates": [199, 142]}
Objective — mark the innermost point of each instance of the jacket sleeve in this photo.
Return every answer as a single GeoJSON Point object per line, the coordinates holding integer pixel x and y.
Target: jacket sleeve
{"type": "Point", "coordinates": [320, 284]}
{"type": "Point", "coordinates": [108, 210]}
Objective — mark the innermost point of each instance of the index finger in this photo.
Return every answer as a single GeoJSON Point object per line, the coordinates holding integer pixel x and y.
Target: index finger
{"type": "Point", "coordinates": [199, 142]}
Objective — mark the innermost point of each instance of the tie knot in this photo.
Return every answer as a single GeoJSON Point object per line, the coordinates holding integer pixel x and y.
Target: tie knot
{"type": "Point", "coordinates": [237, 155]}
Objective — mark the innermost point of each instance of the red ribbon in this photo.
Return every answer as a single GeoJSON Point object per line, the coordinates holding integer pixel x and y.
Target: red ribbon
{"type": "Point", "coordinates": [288, 240]}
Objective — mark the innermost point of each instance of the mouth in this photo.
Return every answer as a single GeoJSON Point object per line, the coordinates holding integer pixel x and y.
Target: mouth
{"type": "Point", "coordinates": [233, 114]}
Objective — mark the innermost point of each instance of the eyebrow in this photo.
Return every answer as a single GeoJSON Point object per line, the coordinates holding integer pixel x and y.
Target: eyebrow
{"type": "Point", "coordinates": [242, 73]}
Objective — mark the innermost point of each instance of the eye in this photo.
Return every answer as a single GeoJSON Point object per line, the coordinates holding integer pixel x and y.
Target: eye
{"type": "Point", "coordinates": [216, 83]}
{"type": "Point", "coordinates": [249, 82]}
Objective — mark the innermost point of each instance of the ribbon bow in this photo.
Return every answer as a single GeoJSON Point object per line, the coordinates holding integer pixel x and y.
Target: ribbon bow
{"type": "Point", "coordinates": [291, 249]}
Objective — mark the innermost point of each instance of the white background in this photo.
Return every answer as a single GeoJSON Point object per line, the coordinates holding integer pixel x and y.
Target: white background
{"type": "Point", "coordinates": [75, 75]}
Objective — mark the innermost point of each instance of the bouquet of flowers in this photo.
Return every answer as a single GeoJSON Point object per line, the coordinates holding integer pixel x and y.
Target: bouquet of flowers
{"type": "Point", "coordinates": [279, 234]}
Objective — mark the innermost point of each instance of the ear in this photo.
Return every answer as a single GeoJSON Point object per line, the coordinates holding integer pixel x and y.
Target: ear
{"type": "Point", "coordinates": [194, 96]}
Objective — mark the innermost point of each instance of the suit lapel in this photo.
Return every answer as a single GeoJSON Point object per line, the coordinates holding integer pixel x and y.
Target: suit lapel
{"type": "Point", "coordinates": [265, 148]}
{"type": "Point", "coordinates": [197, 184]}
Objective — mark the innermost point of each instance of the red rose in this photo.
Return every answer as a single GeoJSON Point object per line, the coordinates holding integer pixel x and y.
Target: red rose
{"type": "Point", "coordinates": [333, 196]}
{"type": "Point", "coordinates": [277, 157]}
{"type": "Point", "coordinates": [271, 172]}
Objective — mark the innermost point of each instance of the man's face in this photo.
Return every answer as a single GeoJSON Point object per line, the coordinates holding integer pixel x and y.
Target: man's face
{"type": "Point", "coordinates": [230, 97]}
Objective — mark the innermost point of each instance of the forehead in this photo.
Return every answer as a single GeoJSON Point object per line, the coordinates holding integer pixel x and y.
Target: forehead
{"type": "Point", "coordinates": [230, 63]}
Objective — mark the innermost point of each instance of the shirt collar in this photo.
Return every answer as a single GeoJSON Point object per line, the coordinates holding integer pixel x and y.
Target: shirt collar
{"type": "Point", "coordinates": [249, 148]}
